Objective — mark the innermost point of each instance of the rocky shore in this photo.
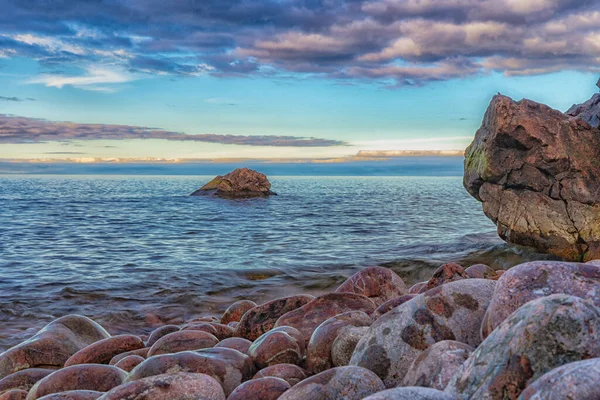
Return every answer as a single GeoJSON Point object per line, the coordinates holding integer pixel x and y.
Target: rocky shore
{"type": "Point", "coordinates": [532, 332]}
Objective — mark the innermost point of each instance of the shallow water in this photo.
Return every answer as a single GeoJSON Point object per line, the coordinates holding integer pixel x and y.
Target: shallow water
{"type": "Point", "coordinates": [135, 252]}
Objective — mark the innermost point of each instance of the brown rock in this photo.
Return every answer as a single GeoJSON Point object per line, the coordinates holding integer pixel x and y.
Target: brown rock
{"type": "Point", "coordinates": [160, 332]}
{"type": "Point", "coordinates": [15, 394]}
{"type": "Point", "coordinates": [308, 317]}
{"type": "Point", "coordinates": [261, 319]}
{"type": "Point", "coordinates": [345, 343]}
{"type": "Point", "coordinates": [174, 386]}
{"type": "Point", "coordinates": [348, 383]}
{"type": "Point", "coordinates": [275, 347]}
{"type": "Point", "coordinates": [236, 343]}
{"type": "Point", "coordinates": [238, 184]}
{"type": "Point", "coordinates": [268, 388]}
{"type": "Point", "coordinates": [541, 335]}
{"type": "Point", "coordinates": [228, 366]}
{"type": "Point", "coordinates": [130, 362]}
{"type": "Point", "coordinates": [393, 303]}
{"type": "Point", "coordinates": [202, 326]}
{"type": "Point", "coordinates": [73, 395]}
{"type": "Point", "coordinates": [446, 273]}
{"type": "Point", "coordinates": [52, 345]}
{"type": "Point", "coordinates": [291, 373]}
{"type": "Point", "coordinates": [95, 377]}
{"type": "Point", "coordinates": [182, 341]}
{"type": "Point", "coordinates": [233, 325]}
{"type": "Point", "coordinates": [434, 367]}
{"type": "Point", "coordinates": [377, 283]}
{"type": "Point", "coordinates": [140, 352]}
{"type": "Point", "coordinates": [573, 381]}
{"type": "Point", "coordinates": [532, 280]}
{"type": "Point", "coordinates": [104, 350]}
{"type": "Point", "coordinates": [453, 311]}
{"type": "Point", "coordinates": [411, 393]}
{"type": "Point", "coordinates": [481, 271]}
{"type": "Point", "coordinates": [537, 173]}
{"type": "Point", "coordinates": [24, 379]}
{"type": "Point", "coordinates": [318, 351]}
{"type": "Point", "coordinates": [235, 311]}
{"type": "Point", "coordinates": [295, 333]}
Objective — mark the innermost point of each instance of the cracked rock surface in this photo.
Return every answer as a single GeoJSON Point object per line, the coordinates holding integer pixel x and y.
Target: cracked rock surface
{"type": "Point", "coordinates": [537, 173]}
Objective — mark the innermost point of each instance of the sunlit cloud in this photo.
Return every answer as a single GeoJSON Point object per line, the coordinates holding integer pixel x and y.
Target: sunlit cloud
{"type": "Point", "coordinates": [92, 80]}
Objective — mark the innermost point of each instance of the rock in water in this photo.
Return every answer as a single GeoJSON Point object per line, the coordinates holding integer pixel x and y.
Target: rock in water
{"type": "Point", "coordinates": [241, 183]}
{"type": "Point", "coordinates": [537, 172]}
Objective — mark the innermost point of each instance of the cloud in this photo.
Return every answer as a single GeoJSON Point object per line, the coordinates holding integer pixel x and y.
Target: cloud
{"type": "Point", "coordinates": [16, 99]}
{"type": "Point", "coordinates": [14, 129]}
{"type": "Point", "coordinates": [390, 42]}
{"type": "Point", "coordinates": [93, 80]}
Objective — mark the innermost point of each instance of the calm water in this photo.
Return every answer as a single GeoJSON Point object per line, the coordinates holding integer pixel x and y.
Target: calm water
{"type": "Point", "coordinates": [133, 252]}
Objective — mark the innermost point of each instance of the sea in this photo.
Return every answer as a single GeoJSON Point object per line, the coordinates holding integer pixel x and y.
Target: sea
{"type": "Point", "coordinates": [128, 247]}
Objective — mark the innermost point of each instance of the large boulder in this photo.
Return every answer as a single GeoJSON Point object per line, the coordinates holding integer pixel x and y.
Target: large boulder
{"type": "Point", "coordinates": [52, 345]}
{"type": "Point", "coordinates": [377, 283]}
{"type": "Point", "coordinates": [544, 334]}
{"type": "Point", "coordinates": [537, 173]}
{"type": "Point", "coordinates": [532, 280]}
{"type": "Point", "coordinates": [574, 381]}
{"type": "Point", "coordinates": [453, 311]}
{"type": "Point", "coordinates": [588, 111]}
{"type": "Point", "coordinates": [241, 183]}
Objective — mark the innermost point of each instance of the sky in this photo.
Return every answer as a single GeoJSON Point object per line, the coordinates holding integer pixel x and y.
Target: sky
{"type": "Point", "coordinates": [279, 78]}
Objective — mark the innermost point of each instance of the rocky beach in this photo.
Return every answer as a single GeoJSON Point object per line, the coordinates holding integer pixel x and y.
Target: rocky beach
{"type": "Point", "coordinates": [466, 332]}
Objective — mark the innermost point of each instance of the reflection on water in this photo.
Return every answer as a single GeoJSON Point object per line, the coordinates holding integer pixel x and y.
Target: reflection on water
{"type": "Point", "coordinates": [136, 252]}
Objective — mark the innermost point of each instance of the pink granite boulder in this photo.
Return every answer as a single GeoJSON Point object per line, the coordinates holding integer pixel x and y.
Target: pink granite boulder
{"type": "Point", "coordinates": [377, 283]}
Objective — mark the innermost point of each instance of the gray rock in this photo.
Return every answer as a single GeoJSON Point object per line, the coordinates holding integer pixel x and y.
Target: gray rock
{"type": "Point", "coordinates": [574, 381]}
{"type": "Point", "coordinates": [411, 393]}
{"type": "Point", "coordinates": [453, 311]}
{"type": "Point", "coordinates": [436, 366]}
{"type": "Point", "coordinates": [540, 336]}
{"type": "Point", "coordinates": [348, 383]}
{"type": "Point", "coordinates": [344, 344]}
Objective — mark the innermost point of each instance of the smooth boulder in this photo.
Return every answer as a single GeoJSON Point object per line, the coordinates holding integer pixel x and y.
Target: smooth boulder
{"type": "Point", "coordinates": [541, 335]}
{"type": "Point", "coordinates": [174, 386]}
{"type": "Point", "coordinates": [436, 366]}
{"type": "Point", "coordinates": [574, 381]}
{"type": "Point", "coordinates": [290, 373]}
{"type": "Point", "coordinates": [235, 311]}
{"type": "Point", "coordinates": [52, 345]}
{"type": "Point", "coordinates": [411, 393]}
{"type": "Point", "coordinates": [377, 283]}
{"type": "Point", "coordinates": [348, 383]}
{"type": "Point", "coordinates": [453, 311]}
{"type": "Point", "coordinates": [262, 318]}
{"type": "Point", "coordinates": [102, 351]}
{"type": "Point", "coordinates": [276, 347]}
{"type": "Point", "coordinates": [308, 317]}
{"type": "Point", "coordinates": [268, 388]}
{"type": "Point", "coordinates": [529, 281]}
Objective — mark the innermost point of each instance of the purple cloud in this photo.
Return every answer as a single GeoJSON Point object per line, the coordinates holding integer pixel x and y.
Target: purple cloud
{"type": "Point", "coordinates": [395, 42]}
{"type": "Point", "coordinates": [14, 129]}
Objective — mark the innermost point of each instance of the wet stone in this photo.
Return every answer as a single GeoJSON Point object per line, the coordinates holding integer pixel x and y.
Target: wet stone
{"type": "Point", "coordinates": [318, 352]}
{"type": "Point", "coordinates": [390, 304]}
{"type": "Point", "coordinates": [96, 377]}
{"type": "Point", "coordinates": [377, 283]}
{"type": "Point", "coordinates": [182, 341]}
{"type": "Point", "coordinates": [449, 272]}
{"type": "Point", "coordinates": [291, 373]}
{"type": "Point", "coordinates": [239, 344]}
{"type": "Point", "coordinates": [262, 318]}
{"type": "Point", "coordinates": [268, 388]}
{"type": "Point", "coordinates": [102, 351]}
{"type": "Point", "coordinates": [308, 317]}
{"type": "Point", "coordinates": [24, 379]}
{"type": "Point", "coordinates": [74, 395]}
{"type": "Point", "coordinates": [349, 383]}
{"type": "Point", "coordinates": [235, 311]}
{"type": "Point", "coordinates": [174, 386]}
{"type": "Point", "coordinates": [130, 362]}
{"type": "Point", "coordinates": [160, 332]}
{"type": "Point", "coordinates": [411, 393]}
{"type": "Point", "coordinates": [275, 347]}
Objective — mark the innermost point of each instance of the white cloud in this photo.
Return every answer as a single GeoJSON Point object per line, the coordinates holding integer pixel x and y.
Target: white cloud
{"type": "Point", "coordinates": [92, 80]}
{"type": "Point", "coordinates": [52, 44]}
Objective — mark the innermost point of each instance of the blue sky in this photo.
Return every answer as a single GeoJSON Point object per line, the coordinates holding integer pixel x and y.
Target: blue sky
{"type": "Point", "coordinates": [279, 78]}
